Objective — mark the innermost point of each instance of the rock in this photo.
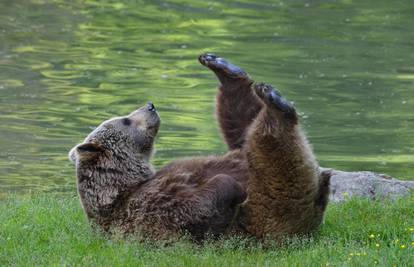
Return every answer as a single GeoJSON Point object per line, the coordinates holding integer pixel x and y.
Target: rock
{"type": "Point", "coordinates": [367, 185]}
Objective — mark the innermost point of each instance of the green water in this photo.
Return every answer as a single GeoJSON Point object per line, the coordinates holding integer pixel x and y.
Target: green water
{"type": "Point", "coordinates": [67, 65]}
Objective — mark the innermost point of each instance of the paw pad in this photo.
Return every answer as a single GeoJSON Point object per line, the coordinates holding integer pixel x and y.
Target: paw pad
{"type": "Point", "coordinates": [266, 92]}
{"type": "Point", "coordinates": [222, 66]}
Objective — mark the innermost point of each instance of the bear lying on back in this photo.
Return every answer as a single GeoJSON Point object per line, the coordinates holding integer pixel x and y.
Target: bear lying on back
{"type": "Point", "coordinates": [269, 162]}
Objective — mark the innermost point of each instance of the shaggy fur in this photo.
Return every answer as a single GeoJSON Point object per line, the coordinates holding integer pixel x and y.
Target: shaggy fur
{"type": "Point", "coordinates": [237, 104]}
{"type": "Point", "coordinates": [286, 193]}
{"type": "Point", "coordinates": [120, 192]}
{"type": "Point", "coordinates": [269, 160]}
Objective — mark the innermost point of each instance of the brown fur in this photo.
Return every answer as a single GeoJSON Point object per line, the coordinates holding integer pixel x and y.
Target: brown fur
{"type": "Point", "coordinates": [286, 193]}
{"type": "Point", "coordinates": [237, 107]}
{"type": "Point", "coordinates": [121, 193]}
{"type": "Point", "coordinates": [283, 177]}
{"type": "Point", "coordinates": [270, 159]}
{"type": "Point", "coordinates": [195, 196]}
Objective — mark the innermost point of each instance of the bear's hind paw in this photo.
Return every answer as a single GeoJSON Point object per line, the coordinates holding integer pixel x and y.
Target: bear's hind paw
{"type": "Point", "coordinates": [222, 66]}
{"type": "Point", "coordinates": [272, 98]}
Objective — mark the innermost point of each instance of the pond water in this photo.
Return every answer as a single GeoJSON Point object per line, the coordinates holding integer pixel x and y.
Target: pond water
{"type": "Point", "coordinates": [65, 66]}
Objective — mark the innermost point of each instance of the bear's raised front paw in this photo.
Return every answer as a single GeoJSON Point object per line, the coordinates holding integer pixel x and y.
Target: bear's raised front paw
{"type": "Point", "coordinates": [273, 98]}
{"type": "Point", "coordinates": [222, 66]}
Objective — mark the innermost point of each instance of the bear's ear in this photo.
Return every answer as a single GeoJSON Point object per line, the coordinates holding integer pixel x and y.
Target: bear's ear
{"type": "Point", "coordinates": [89, 148]}
{"type": "Point", "coordinates": [85, 151]}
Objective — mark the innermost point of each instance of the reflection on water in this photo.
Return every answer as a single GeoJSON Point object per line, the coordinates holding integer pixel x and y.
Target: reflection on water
{"type": "Point", "coordinates": [67, 65]}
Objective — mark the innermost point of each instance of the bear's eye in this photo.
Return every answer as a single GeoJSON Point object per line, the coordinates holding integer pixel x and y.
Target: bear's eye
{"type": "Point", "coordinates": [126, 121]}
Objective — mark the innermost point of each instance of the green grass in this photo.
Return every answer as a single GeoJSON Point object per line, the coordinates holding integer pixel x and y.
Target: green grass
{"type": "Point", "coordinates": [50, 230]}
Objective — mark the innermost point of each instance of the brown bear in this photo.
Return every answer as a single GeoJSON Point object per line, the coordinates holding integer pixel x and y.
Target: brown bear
{"type": "Point", "coordinates": [269, 159]}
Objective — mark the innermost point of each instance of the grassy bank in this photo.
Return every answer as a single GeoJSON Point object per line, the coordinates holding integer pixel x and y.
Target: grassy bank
{"type": "Point", "coordinates": [51, 230]}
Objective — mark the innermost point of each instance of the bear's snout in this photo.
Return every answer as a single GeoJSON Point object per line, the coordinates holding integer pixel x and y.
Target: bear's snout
{"type": "Point", "coordinates": [151, 106]}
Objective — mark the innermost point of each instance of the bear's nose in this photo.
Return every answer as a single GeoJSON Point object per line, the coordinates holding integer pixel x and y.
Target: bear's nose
{"type": "Point", "coordinates": [151, 106]}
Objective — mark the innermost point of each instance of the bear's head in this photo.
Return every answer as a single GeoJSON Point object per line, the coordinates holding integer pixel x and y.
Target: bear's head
{"type": "Point", "coordinates": [114, 158]}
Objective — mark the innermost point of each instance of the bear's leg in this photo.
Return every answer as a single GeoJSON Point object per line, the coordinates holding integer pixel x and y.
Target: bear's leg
{"type": "Point", "coordinates": [284, 179]}
{"type": "Point", "coordinates": [322, 198]}
{"type": "Point", "coordinates": [217, 201]}
{"type": "Point", "coordinates": [237, 105]}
